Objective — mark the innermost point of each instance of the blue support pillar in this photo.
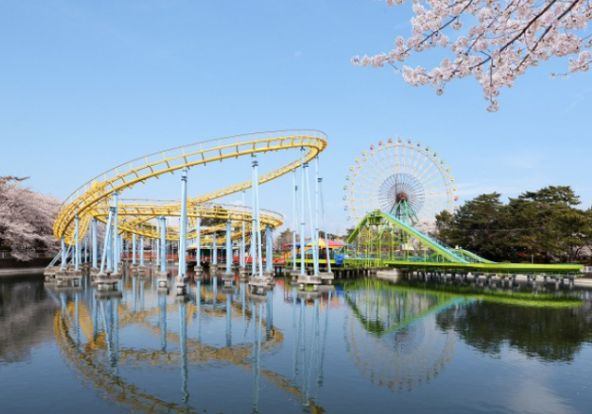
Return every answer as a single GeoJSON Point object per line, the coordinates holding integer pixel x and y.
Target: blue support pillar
{"type": "Point", "coordinates": [107, 244]}
{"type": "Point", "coordinates": [95, 245]}
{"type": "Point", "coordinates": [316, 216]}
{"type": "Point", "coordinates": [116, 246]}
{"type": "Point", "coordinates": [294, 218]}
{"type": "Point", "coordinates": [141, 251]}
{"type": "Point", "coordinates": [315, 261]}
{"type": "Point", "coordinates": [242, 253]}
{"type": "Point", "coordinates": [268, 250]}
{"type": "Point", "coordinates": [327, 248]}
{"type": "Point", "coordinates": [198, 244]}
{"type": "Point", "coordinates": [182, 251]}
{"type": "Point", "coordinates": [163, 261]}
{"type": "Point", "coordinates": [256, 239]}
{"type": "Point", "coordinates": [77, 243]}
{"type": "Point", "coordinates": [229, 248]}
{"type": "Point", "coordinates": [302, 221]}
{"type": "Point", "coordinates": [134, 249]}
{"type": "Point", "coordinates": [214, 249]}
{"type": "Point", "coordinates": [85, 249]}
{"type": "Point", "coordinates": [63, 253]}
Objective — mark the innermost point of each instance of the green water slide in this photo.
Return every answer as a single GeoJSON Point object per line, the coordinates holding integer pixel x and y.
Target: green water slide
{"type": "Point", "coordinates": [426, 241]}
{"type": "Point", "coordinates": [453, 258]}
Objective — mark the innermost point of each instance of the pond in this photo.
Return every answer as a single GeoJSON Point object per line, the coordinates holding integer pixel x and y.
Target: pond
{"type": "Point", "coordinates": [362, 346]}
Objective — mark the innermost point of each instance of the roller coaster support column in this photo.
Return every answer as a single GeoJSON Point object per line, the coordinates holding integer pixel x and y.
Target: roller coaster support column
{"type": "Point", "coordinates": [104, 279]}
{"type": "Point", "coordinates": [302, 221]}
{"type": "Point", "coordinates": [162, 274]}
{"type": "Point", "coordinates": [76, 244]}
{"type": "Point", "coordinates": [197, 246]}
{"type": "Point", "coordinates": [326, 276]}
{"type": "Point", "coordinates": [269, 253]}
{"type": "Point", "coordinates": [64, 253]}
{"type": "Point", "coordinates": [141, 252]}
{"type": "Point", "coordinates": [228, 274]}
{"type": "Point", "coordinates": [116, 241]}
{"type": "Point", "coordinates": [95, 246]}
{"type": "Point", "coordinates": [242, 253]}
{"type": "Point", "coordinates": [294, 220]}
{"type": "Point", "coordinates": [157, 243]}
{"type": "Point", "coordinates": [258, 216]}
{"type": "Point", "coordinates": [317, 214]}
{"type": "Point", "coordinates": [85, 250]}
{"type": "Point", "coordinates": [214, 266]}
{"type": "Point", "coordinates": [134, 263]}
{"type": "Point", "coordinates": [182, 251]}
{"type": "Point", "coordinates": [257, 282]}
{"type": "Point", "coordinates": [107, 246]}
{"type": "Point", "coordinates": [314, 280]}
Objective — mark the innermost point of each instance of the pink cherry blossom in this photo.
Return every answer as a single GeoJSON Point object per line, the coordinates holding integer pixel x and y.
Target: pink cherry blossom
{"type": "Point", "coordinates": [494, 41]}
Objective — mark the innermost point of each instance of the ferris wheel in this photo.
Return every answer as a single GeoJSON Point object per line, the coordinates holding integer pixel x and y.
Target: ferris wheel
{"type": "Point", "coordinates": [402, 178]}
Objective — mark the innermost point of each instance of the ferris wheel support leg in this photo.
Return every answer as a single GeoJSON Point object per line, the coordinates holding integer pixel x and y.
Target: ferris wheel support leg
{"type": "Point", "coordinates": [182, 251]}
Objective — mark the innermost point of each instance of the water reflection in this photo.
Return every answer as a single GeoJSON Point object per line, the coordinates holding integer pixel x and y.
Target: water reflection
{"type": "Point", "coordinates": [357, 345]}
{"type": "Point", "coordinates": [25, 314]}
{"type": "Point", "coordinates": [545, 333]}
{"type": "Point", "coordinates": [391, 337]}
{"type": "Point", "coordinates": [102, 320]}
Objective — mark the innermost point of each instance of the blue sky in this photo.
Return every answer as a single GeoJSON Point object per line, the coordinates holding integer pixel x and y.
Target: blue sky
{"type": "Point", "coordinates": [85, 85]}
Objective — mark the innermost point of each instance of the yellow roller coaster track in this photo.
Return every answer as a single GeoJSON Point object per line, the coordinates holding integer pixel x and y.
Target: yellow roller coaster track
{"type": "Point", "coordinates": [136, 215]}
{"type": "Point", "coordinates": [97, 193]}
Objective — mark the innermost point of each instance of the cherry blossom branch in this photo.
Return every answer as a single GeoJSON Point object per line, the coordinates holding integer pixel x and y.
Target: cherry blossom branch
{"type": "Point", "coordinates": [508, 37]}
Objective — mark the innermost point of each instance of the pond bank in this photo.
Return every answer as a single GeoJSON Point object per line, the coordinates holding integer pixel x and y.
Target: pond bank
{"type": "Point", "coordinates": [22, 271]}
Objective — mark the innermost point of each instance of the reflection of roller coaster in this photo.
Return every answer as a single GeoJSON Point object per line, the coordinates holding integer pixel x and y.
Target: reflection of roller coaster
{"type": "Point", "coordinates": [406, 350]}
{"type": "Point", "coordinates": [88, 335]}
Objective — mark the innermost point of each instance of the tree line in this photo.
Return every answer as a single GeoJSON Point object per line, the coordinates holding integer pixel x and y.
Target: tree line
{"type": "Point", "coordinates": [26, 220]}
{"type": "Point", "coordinates": [544, 226]}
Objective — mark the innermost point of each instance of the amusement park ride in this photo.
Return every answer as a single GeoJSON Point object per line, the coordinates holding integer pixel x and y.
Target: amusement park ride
{"type": "Point", "coordinates": [392, 194]}
{"type": "Point", "coordinates": [134, 224]}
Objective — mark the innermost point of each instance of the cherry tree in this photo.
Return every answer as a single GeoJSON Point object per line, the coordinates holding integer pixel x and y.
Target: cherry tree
{"type": "Point", "coordinates": [26, 219]}
{"type": "Point", "coordinates": [494, 41]}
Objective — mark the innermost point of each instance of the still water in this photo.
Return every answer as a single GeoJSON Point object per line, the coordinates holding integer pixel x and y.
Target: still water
{"type": "Point", "coordinates": [365, 346]}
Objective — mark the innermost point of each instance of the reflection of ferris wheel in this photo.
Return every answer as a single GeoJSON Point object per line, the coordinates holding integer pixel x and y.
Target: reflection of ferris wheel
{"type": "Point", "coordinates": [401, 178]}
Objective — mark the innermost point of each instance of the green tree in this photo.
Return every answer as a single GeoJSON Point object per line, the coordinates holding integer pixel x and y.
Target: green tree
{"type": "Point", "coordinates": [545, 226]}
